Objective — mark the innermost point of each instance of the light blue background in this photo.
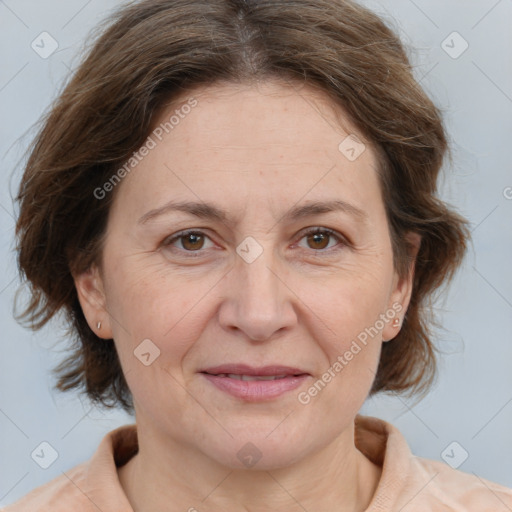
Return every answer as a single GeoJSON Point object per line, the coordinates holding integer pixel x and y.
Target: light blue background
{"type": "Point", "coordinates": [472, 400]}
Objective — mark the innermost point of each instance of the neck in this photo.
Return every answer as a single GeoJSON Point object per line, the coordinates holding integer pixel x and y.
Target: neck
{"type": "Point", "coordinates": [336, 478]}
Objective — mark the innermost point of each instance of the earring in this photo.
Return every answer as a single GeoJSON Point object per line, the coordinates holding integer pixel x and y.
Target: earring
{"type": "Point", "coordinates": [396, 322]}
{"type": "Point", "coordinates": [98, 325]}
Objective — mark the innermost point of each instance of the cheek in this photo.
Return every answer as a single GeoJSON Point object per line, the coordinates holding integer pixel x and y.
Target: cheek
{"type": "Point", "coordinates": [347, 326]}
{"type": "Point", "coordinates": [158, 331]}
{"type": "Point", "coordinates": [148, 302]}
{"type": "Point", "coordinates": [349, 335]}
{"type": "Point", "coordinates": [347, 303]}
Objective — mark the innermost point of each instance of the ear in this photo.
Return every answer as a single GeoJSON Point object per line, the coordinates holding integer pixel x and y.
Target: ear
{"type": "Point", "coordinates": [91, 295]}
{"type": "Point", "coordinates": [401, 290]}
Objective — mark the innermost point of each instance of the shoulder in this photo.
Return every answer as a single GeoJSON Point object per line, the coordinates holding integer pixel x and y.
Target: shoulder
{"type": "Point", "coordinates": [92, 485]}
{"type": "Point", "coordinates": [58, 495]}
{"type": "Point", "coordinates": [463, 491]}
{"type": "Point", "coordinates": [415, 484]}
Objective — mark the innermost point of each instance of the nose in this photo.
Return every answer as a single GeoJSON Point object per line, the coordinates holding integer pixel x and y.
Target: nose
{"type": "Point", "coordinates": [258, 301]}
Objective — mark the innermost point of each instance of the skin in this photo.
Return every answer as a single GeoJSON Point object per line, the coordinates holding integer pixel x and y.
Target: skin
{"type": "Point", "coordinates": [255, 150]}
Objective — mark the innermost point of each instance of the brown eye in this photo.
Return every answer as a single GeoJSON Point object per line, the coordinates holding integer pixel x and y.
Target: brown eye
{"type": "Point", "coordinates": [322, 240]}
{"type": "Point", "coordinates": [192, 241]}
{"type": "Point", "coordinates": [318, 240]}
{"type": "Point", "coordinates": [188, 242]}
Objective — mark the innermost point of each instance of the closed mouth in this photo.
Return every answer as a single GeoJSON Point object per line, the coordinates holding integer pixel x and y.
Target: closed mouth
{"type": "Point", "coordinates": [238, 376]}
{"type": "Point", "coordinates": [242, 371]}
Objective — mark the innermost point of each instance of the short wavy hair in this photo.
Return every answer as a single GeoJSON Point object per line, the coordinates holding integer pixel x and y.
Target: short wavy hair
{"type": "Point", "coordinates": [148, 53]}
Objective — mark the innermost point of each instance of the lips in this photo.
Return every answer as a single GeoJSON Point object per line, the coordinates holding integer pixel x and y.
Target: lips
{"type": "Point", "coordinates": [251, 377]}
{"type": "Point", "coordinates": [255, 384]}
{"type": "Point", "coordinates": [246, 372]}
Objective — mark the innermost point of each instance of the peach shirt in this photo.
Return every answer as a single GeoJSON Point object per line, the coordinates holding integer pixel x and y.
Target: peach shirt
{"type": "Point", "coordinates": [408, 483]}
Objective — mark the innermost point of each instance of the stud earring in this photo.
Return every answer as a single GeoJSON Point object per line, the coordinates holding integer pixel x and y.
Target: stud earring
{"type": "Point", "coordinates": [396, 322]}
{"type": "Point", "coordinates": [98, 325]}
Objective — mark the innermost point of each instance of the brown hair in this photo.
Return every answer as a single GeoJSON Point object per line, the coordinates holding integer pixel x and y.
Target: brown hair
{"type": "Point", "coordinates": [154, 50]}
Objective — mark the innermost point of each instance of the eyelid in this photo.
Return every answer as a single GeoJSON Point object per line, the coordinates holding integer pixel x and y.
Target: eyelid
{"type": "Point", "coordinates": [331, 232]}
{"type": "Point", "coordinates": [168, 241]}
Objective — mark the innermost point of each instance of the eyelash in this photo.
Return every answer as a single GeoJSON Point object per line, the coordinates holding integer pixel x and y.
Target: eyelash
{"type": "Point", "coordinates": [194, 254]}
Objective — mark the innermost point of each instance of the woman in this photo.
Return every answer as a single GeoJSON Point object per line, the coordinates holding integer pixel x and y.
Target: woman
{"type": "Point", "coordinates": [235, 204]}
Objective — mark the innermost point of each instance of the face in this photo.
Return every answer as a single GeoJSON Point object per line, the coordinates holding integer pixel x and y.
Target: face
{"type": "Point", "coordinates": [250, 239]}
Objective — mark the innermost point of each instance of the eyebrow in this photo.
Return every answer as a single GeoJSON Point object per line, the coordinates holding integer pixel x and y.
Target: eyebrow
{"type": "Point", "coordinates": [210, 211]}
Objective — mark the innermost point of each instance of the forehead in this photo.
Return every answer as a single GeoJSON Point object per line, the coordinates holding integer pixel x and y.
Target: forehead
{"type": "Point", "coordinates": [268, 142]}
{"type": "Point", "coordinates": [274, 113]}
